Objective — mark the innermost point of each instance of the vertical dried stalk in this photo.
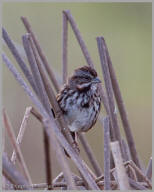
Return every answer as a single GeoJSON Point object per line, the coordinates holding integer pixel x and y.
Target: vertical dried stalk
{"type": "Point", "coordinates": [90, 154]}
{"type": "Point", "coordinates": [149, 169]}
{"type": "Point", "coordinates": [106, 154]}
{"type": "Point", "coordinates": [79, 37]}
{"type": "Point", "coordinates": [122, 110]}
{"type": "Point", "coordinates": [44, 99]}
{"type": "Point", "coordinates": [10, 172]}
{"type": "Point", "coordinates": [127, 156]}
{"type": "Point", "coordinates": [18, 58]}
{"type": "Point", "coordinates": [41, 54]}
{"type": "Point", "coordinates": [86, 54]}
{"type": "Point", "coordinates": [120, 169]}
{"type": "Point", "coordinates": [64, 50]}
{"type": "Point", "coordinates": [21, 131]}
{"type": "Point", "coordinates": [108, 85]}
{"type": "Point", "coordinates": [51, 95]}
{"type": "Point", "coordinates": [16, 147]}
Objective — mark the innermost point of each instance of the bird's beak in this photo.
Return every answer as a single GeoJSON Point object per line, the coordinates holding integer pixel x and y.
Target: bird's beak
{"type": "Point", "coordinates": [96, 80]}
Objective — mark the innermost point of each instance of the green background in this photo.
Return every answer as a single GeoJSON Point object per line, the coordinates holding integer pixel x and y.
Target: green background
{"type": "Point", "coordinates": [127, 29]}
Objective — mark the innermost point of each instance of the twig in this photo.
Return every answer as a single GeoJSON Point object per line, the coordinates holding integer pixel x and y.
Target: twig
{"type": "Point", "coordinates": [18, 58]}
{"type": "Point", "coordinates": [58, 178]}
{"type": "Point", "coordinates": [108, 85]}
{"type": "Point", "coordinates": [122, 110]}
{"type": "Point", "coordinates": [79, 37]}
{"type": "Point", "coordinates": [21, 131]}
{"type": "Point", "coordinates": [61, 158]}
{"type": "Point", "coordinates": [16, 147]}
{"type": "Point", "coordinates": [41, 54]}
{"type": "Point", "coordinates": [127, 156]}
{"type": "Point", "coordinates": [149, 169]}
{"type": "Point", "coordinates": [36, 114]}
{"type": "Point", "coordinates": [139, 171]}
{"type": "Point", "coordinates": [10, 172]}
{"type": "Point", "coordinates": [111, 171]}
{"type": "Point", "coordinates": [106, 154]}
{"type": "Point", "coordinates": [51, 96]}
{"type": "Point", "coordinates": [136, 185]}
{"type": "Point", "coordinates": [121, 172]}
{"type": "Point", "coordinates": [132, 173]}
{"type": "Point", "coordinates": [90, 154]}
{"type": "Point", "coordinates": [64, 50]}
{"type": "Point", "coordinates": [44, 99]}
{"type": "Point", "coordinates": [53, 125]}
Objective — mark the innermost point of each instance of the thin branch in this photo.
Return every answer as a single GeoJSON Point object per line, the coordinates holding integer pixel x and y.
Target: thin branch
{"type": "Point", "coordinates": [16, 147]}
{"type": "Point", "coordinates": [149, 169]}
{"type": "Point", "coordinates": [122, 109]}
{"type": "Point", "coordinates": [21, 131]}
{"type": "Point", "coordinates": [61, 158]}
{"type": "Point", "coordinates": [136, 185]}
{"type": "Point", "coordinates": [41, 54]}
{"type": "Point", "coordinates": [79, 37]}
{"type": "Point", "coordinates": [90, 154]}
{"type": "Point", "coordinates": [53, 126]}
{"type": "Point", "coordinates": [127, 155]}
{"type": "Point", "coordinates": [51, 96]}
{"type": "Point", "coordinates": [58, 178]}
{"type": "Point", "coordinates": [106, 154]}
{"type": "Point", "coordinates": [120, 169]}
{"type": "Point", "coordinates": [18, 58]}
{"type": "Point", "coordinates": [108, 85]}
{"type": "Point", "coordinates": [36, 114]}
{"type": "Point", "coordinates": [44, 99]}
{"type": "Point", "coordinates": [64, 50]}
{"type": "Point", "coordinates": [139, 171]}
{"type": "Point", "coordinates": [10, 172]}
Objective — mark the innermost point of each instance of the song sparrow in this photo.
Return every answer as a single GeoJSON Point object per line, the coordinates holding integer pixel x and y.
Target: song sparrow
{"type": "Point", "coordinates": [80, 100]}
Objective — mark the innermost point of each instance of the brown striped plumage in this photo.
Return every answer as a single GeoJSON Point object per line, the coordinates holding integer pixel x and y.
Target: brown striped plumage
{"type": "Point", "coordinates": [80, 100]}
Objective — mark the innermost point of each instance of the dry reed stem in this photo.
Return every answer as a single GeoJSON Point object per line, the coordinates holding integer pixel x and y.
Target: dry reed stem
{"type": "Point", "coordinates": [64, 47]}
{"type": "Point", "coordinates": [21, 131]}
{"type": "Point", "coordinates": [127, 155]}
{"type": "Point", "coordinates": [36, 114]}
{"type": "Point", "coordinates": [139, 171]}
{"type": "Point", "coordinates": [132, 173]}
{"type": "Point", "coordinates": [122, 109]}
{"type": "Point", "coordinates": [108, 85]}
{"type": "Point", "coordinates": [16, 147]}
{"type": "Point", "coordinates": [53, 125]}
{"type": "Point", "coordinates": [18, 58]}
{"type": "Point", "coordinates": [52, 97]}
{"type": "Point", "coordinates": [136, 185]}
{"type": "Point", "coordinates": [79, 37]}
{"type": "Point", "coordinates": [106, 154]}
{"type": "Point", "coordinates": [120, 169]}
{"type": "Point", "coordinates": [41, 54]}
{"type": "Point", "coordinates": [10, 172]}
{"type": "Point", "coordinates": [86, 54]}
{"type": "Point", "coordinates": [44, 99]}
{"type": "Point", "coordinates": [90, 154]}
{"type": "Point", "coordinates": [58, 178]}
{"type": "Point", "coordinates": [149, 169]}
{"type": "Point", "coordinates": [61, 158]}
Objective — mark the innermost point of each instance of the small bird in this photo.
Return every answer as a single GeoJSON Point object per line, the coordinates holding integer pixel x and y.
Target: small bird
{"type": "Point", "coordinates": [80, 101]}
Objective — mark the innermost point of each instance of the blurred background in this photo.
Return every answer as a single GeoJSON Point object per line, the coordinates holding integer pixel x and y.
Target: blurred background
{"type": "Point", "coordinates": [127, 29]}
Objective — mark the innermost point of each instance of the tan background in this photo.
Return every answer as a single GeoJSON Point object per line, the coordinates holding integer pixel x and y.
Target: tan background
{"type": "Point", "coordinates": [127, 28]}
